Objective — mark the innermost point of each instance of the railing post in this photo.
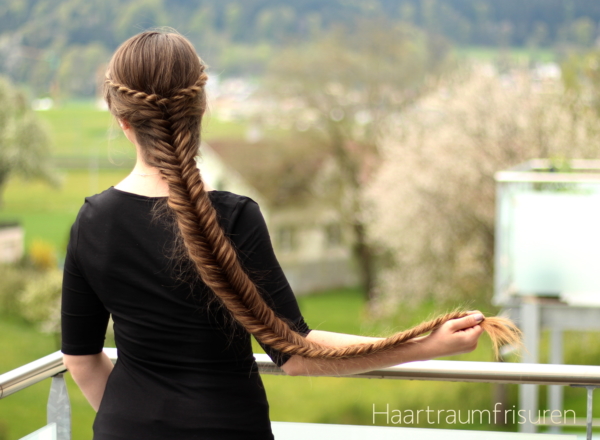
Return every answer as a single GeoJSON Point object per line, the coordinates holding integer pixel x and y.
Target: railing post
{"type": "Point", "coordinates": [59, 407]}
{"type": "Point", "coordinates": [555, 392]}
{"type": "Point", "coordinates": [528, 394]}
{"type": "Point", "coordinates": [590, 401]}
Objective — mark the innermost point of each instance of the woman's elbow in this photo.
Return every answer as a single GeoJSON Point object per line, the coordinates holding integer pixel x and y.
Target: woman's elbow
{"type": "Point", "coordinates": [294, 366]}
{"type": "Point", "coordinates": [75, 363]}
{"type": "Point", "coordinates": [68, 361]}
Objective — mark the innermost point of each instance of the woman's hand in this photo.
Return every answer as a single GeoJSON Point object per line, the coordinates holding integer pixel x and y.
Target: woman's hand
{"type": "Point", "coordinates": [456, 336]}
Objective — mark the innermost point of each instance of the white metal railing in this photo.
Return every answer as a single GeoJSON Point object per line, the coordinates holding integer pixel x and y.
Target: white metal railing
{"type": "Point", "coordinates": [455, 371]}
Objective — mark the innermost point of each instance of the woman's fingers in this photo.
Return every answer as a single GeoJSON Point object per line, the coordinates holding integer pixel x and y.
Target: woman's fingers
{"type": "Point", "coordinates": [458, 335]}
{"type": "Point", "coordinates": [465, 322]}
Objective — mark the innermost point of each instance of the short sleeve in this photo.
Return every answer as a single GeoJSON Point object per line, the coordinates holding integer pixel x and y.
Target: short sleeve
{"type": "Point", "coordinates": [253, 243]}
{"type": "Point", "coordinates": [84, 318]}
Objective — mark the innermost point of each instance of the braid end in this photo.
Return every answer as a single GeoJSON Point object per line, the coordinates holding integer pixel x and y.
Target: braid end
{"type": "Point", "coordinates": [502, 331]}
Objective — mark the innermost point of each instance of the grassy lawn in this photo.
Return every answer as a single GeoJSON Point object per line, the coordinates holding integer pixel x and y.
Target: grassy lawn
{"type": "Point", "coordinates": [91, 154]}
{"type": "Point", "coordinates": [82, 133]}
{"type": "Point", "coordinates": [47, 213]}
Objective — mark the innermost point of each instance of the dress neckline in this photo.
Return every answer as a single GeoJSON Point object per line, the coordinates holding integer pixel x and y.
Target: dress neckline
{"type": "Point", "coordinates": [135, 195]}
{"type": "Point", "coordinates": [143, 197]}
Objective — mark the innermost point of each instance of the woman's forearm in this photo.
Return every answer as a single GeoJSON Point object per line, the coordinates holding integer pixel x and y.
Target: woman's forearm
{"type": "Point", "coordinates": [90, 373]}
{"type": "Point", "coordinates": [454, 337]}
{"type": "Point", "coordinates": [298, 365]}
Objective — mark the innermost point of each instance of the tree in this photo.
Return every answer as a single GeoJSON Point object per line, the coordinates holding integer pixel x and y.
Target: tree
{"type": "Point", "coordinates": [82, 70]}
{"type": "Point", "coordinates": [24, 140]}
{"type": "Point", "coordinates": [139, 15]}
{"type": "Point", "coordinates": [581, 79]}
{"type": "Point", "coordinates": [434, 196]}
{"type": "Point", "coordinates": [347, 85]}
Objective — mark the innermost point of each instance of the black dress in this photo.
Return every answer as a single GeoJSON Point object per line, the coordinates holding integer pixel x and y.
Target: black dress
{"type": "Point", "coordinates": [184, 370]}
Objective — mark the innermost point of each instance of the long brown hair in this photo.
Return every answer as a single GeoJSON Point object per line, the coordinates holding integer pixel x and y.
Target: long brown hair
{"type": "Point", "coordinates": [155, 81]}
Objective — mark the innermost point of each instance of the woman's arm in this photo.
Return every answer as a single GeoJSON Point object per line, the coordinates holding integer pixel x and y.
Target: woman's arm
{"type": "Point", "coordinates": [251, 238]}
{"type": "Point", "coordinates": [90, 373]}
{"type": "Point", "coordinates": [84, 320]}
{"type": "Point", "coordinates": [454, 337]}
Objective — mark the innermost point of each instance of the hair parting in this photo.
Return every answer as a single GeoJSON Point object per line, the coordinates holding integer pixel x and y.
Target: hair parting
{"type": "Point", "coordinates": [164, 102]}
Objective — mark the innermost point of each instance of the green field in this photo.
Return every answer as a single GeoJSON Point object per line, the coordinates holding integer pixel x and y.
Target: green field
{"type": "Point", "coordinates": [84, 135]}
{"type": "Point", "coordinates": [47, 213]}
{"type": "Point", "coordinates": [91, 154]}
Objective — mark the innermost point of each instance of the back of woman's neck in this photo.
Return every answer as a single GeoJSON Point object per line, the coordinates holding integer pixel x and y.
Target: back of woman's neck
{"type": "Point", "coordinates": [148, 183]}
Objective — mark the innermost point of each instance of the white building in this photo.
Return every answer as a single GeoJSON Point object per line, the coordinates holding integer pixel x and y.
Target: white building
{"type": "Point", "coordinates": [310, 241]}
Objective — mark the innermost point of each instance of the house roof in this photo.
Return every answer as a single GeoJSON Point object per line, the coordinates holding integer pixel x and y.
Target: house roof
{"type": "Point", "coordinates": [281, 171]}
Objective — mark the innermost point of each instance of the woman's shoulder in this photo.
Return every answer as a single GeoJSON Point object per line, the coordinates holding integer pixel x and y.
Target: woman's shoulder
{"type": "Point", "coordinates": [234, 209]}
{"type": "Point", "coordinates": [113, 195]}
{"type": "Point", "coordinates": [229, 199]}
{"type": "Point", "coordinates": [113, 201]}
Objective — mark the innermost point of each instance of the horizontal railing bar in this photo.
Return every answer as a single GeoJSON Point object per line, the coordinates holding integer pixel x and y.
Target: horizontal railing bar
{"type": "Point", "coordinates": [579, 421]}
{"type": "Point", "coordinates": [31, 373]}
{"type": "Point", "coordinates": [461, 371]}
{"type": "Point", "coordinates": [453, 371]}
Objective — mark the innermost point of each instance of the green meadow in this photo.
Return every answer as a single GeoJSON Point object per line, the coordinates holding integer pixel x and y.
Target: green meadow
{"type": "Point", "coordinates": [47, 213]}
{"type": "Point", "coordinates": [83, 132]}
{"type": "Point", "coordinates": [90, 157]}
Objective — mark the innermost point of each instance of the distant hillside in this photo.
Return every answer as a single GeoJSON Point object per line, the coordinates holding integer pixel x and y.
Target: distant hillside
{"type": "Point", "coordinates": [56, 46]}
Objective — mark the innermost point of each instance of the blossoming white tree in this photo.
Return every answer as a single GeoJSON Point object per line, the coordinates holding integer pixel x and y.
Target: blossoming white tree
{"type": "Point", "coordinates": [433, 197]}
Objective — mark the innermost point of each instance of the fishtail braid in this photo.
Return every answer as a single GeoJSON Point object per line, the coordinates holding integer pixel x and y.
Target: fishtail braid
{"type": "Point", "coordinates": [167, 125]}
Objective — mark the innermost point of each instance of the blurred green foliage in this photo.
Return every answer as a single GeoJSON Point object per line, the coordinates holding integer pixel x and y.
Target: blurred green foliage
{"type": "Point", "coordinates": [58, 48]}
{"type": "Point", "coordinates": [40, 300]}
{"type": "Point", "coordinates": [13, 280]}
{"type": "Point", "coordinates": [581, 78]}
{"type": "Point", "coordinates": [24, 139]}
